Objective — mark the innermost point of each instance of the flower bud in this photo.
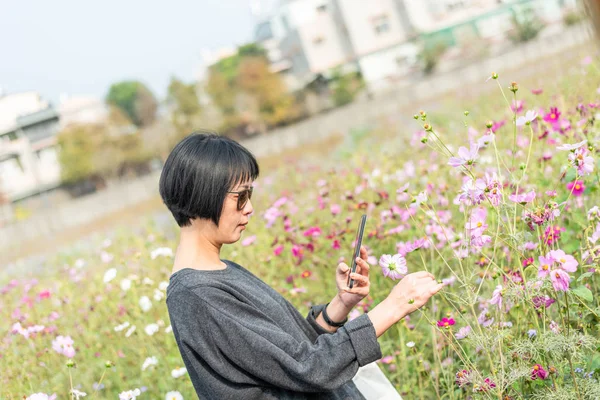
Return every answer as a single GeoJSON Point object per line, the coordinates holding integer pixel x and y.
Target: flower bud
{"type": "Point", "coordinates": [424, 140]}
{"type": "Point", "coordinates": [522, 166]}
{"type": "Point", "coordinates": [109, 364]}
{"type": "Point", "coordinates": [494, 75]}
{"type": "Point", "coordinates": [423, 113]}
{"type": "Point", "coordinates": [70, 364]}
{"type": "Point", "coordinates": [489, 124]}
{"type": "Point", "coordinates": [466, 113]}
{"type": "Point", "coordinates": [428, 127]}
{"type": "Point", "coordinates": [513, 87]}
{"type": "Point", "coordinates": [415, 116]}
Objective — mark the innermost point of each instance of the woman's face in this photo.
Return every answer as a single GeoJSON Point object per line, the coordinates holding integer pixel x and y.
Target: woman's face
{"type": "Point", "coordinates": [233, 221]}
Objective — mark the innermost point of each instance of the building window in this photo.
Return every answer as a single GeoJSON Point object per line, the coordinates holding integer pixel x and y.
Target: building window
{"type": "Point", "coordinates": [381, 24]}
{"type": "Point", "coordinates": [322, 8]}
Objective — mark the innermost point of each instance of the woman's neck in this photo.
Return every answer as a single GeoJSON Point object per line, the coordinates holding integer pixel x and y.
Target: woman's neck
{"type": "Point", "coordinates": [196, 251]}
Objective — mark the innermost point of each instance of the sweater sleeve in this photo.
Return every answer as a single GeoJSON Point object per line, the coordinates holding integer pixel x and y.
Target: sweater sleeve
{"type": "Point", "coordinates": [313, 313]}
{"type": "Point", "coordinates": [247, 339]}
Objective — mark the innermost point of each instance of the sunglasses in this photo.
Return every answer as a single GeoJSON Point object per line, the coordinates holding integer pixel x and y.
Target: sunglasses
{"type": "Point", "coordinates": [243, 197]}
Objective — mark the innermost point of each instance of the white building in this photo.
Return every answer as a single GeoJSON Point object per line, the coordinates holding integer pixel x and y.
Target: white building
{"type": "Point", "coordinates": [377, 37]}
{"type": "Point", "coordinates": [28, 156]}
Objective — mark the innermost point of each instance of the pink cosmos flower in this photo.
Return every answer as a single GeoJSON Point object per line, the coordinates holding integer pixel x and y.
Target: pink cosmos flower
{"type": "Point", "coordinates": [277, 250]}
{"type": "Point", "coordinates": [335, 209]}
{"type": "Point", "coordinates": [463, 332]}
{"type": "Point", "coordinates": [537, 91]}
{"type": "Point", "coordinates": [498, 125]}
{"type": "Point", "coordinates": [393, 267]}
{"type": "Point", "coordinates": [545, 266]}
{"type": "Point", "coordinates": [485, 386]}
{"type": "Point", "coordinates": [297, 251]}
{"type": "Point", "coordinates": [336, 245]}
{"type": "Point", "coordinates": [485, 318]}
{"type": "Point", "coordinates": [566, 261]}
{"type": "Point", "coordinates": [476, 224]}
{"type": "Point", "coordinates": [314, 231]}
{"type": "Point", "coordinates": [64, 345]}
{"type": "Point", "coordinates": [497, 297]}
{"type": "Point", "coordinates": [463, 378]}
{"type": "Point", "coordinates": [580, 160]}
{"type": "Point", "coordinates": [465, 157]}
{"type": "Point", "coordinates": [523, 198]}
{"type": "Point", "coordinates": [552, 234]}
{"type": "Point", "coordinates": [517, 106]}
{"type": "Point", "coordinates": [41, 396]}
{"type": "Point", "coordinates": [560, 280]}
{"type": "Point", "coordinates": [538, 372]}
{"type": "Point", "coordinates": [539, 301]}
{"type": "Point", "coordinates": [552, 116]}
{"type": "Point", "coordinates": [576, 187]}
{"type": "Point", "coordinates": [446, 322]}
{"type": "Point", "coordinates": [249, 240]}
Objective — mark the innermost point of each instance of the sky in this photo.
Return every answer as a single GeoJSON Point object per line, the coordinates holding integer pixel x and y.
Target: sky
{"type": "Point", "coordinates": [81, 47]}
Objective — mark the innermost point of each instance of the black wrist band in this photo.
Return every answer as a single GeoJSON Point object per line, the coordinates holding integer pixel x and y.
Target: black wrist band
{"type": "Point", "coordinates": [329, 321]}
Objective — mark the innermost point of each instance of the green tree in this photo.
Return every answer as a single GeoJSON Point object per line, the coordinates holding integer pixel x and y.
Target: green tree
{"type": "Point", "coordinates": [244, 89]}
{"type": "Point", "coordinates": [186, 107]}
{"type": "Point", "coordinates": [135, 100]}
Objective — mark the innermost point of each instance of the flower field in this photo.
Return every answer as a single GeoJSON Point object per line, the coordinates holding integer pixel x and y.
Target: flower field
{"type": "Point", "coordinates": [498, 200]}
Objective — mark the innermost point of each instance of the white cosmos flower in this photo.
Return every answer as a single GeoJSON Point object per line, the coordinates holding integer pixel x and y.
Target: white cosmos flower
{"type": "Point", "coordinates": [78, 394]}
{"type": "Point", "coordinates": [174, 395]}
{"type": "Point", "coordinates": [125, 284]}
{"type": "Point", "coordinates": [151, 329]}
{"type": "Point", "coordinates": [130, 394]}
{"type": "Point", "coordinates": [158, 295]}
{"type": "Point", "coordinates": [110, 274]}
{"type": "Point", "coordinates": [150, 361]}
{"type": "Point", "coordinates": [169, 329]}
{"type": "Point", "coordinates": [179, 371]}
{"type": "Point", "coordinates": [163, 285]}
{"type": "Point", "coordinates": [569, 147]}
{"type": "Point", "coordinates": [145, 303]}
{"type": "Point", "coordinates": [161, 251]}
{"type": "Point", "coordinates": [119, 328]}
{"type": "Point", "coordinates": [147, 281]}
{"type": "Point", "coordinates": [130, 331]}
{"type": "Point", "coordinates": [410, 344]}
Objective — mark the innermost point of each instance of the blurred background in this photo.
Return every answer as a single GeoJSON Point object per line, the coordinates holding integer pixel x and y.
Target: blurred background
{"type": "Point", "coordinates": [94, 95]}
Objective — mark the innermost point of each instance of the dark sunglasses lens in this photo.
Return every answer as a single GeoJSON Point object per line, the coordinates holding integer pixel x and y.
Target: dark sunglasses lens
{"type": "Point", "coordinates": [242, 199]}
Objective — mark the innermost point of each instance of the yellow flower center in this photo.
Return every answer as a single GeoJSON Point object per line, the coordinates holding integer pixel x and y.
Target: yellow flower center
{"type": "Point", "coordinates": [545, 267]}
{"type": "Point", "coordinates": [562, 260]}
{"type": "Point", "coordinates": [479, 224]}
{"type": "Point", "coordinates": [577, 187]}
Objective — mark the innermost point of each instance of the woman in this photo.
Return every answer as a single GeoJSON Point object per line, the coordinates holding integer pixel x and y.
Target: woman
{"type": "Point", "coordinates": [238, 337]}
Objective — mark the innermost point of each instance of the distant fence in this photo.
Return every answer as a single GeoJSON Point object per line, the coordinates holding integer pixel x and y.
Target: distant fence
{"type": "Point", "coordinates": [339, 121]}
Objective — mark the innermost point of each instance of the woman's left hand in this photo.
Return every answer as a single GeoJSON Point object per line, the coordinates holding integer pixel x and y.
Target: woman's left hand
{"type": "Point", "coordinates": [360, 289]}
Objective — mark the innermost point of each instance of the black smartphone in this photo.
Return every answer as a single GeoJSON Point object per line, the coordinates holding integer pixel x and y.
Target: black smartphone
{"type": "Point", "coordinates": [358, 241]}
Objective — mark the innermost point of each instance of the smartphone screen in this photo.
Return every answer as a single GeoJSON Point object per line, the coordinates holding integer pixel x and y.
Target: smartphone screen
{"type": "Point", "coordinates": [358, 241]}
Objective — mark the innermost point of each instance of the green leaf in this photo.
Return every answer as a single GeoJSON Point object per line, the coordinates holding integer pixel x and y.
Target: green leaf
{"type": "Point", "coordinates": [584, 293]}
{"type": "Point", "coordinates": [584, 275]}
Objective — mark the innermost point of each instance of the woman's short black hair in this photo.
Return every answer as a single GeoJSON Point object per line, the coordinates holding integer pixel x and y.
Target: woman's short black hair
{"type": "Point", "coordinates": [199, 172]}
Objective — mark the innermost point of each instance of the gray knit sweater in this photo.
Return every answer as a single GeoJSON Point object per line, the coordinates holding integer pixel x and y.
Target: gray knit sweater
{"type": "Point", "coordinates": [240, 339]}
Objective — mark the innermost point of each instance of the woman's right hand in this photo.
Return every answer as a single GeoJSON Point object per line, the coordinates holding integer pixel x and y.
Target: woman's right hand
{"type": "Point", "coordinates": [412, 292]}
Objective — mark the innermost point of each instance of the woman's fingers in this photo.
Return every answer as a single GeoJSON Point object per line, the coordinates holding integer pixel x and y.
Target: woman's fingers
{"type": "Point", "coordinates": [360, 279]}
{"type": "Point", "coordinates": [363, 266]}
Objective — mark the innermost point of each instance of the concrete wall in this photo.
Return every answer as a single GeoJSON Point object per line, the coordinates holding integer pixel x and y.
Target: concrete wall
{"type": "Point", "coordinates": [338, 121]}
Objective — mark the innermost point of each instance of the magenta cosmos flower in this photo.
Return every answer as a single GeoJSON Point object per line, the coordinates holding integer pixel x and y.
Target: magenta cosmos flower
{"type": "Point", "coordinates": [446, 322]}
{"type": "Point", "coordinates": [577, 187]}
{"type": "Point", "coordinates": [538, 372]}
{"type": "Point", "coordinates": [393, 267]}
